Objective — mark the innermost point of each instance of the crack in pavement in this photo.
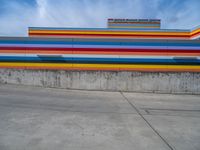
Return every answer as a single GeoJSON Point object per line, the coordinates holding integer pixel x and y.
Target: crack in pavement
{"type": "Point", "coordinates": [137, 110]}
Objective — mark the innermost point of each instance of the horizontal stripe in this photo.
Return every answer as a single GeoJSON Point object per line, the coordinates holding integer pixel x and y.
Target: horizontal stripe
{"type": "Point", "coordinates": [195, 34]}
{"type": "Point", "coordinates": [105, 29]}
{"type": "Point", "coordinates": [101, 53]}
{"type": "Point", "coordinates": [111, 33]}
{"type": "Point", "coordinates": [92, 56]}
{"type": "Point", "coordinates": [56, 46]}
{"type": "Point", "coordinates": [101, 67]}
{"type": "Point", "coordinates": [88, 43]}
{"type": "Point", "coordinates": [60, 58]}
{"type": "Point", "coordinates": [104, 69]}
{"type": "Point", "coordinates": [27, 49]}
{"type": "Point", "coordinates": [89, 56]}
{"type": "Point", "coordinates": [71, 35]}
{"type": "Point", "coordinates": [115, 35]}
{"type": "Point", "coordinates": [195, 31]}
{"type": "Point", "coordinates": [113, 42]}
{"type": "Point", "coordinates": [120, 36]}
{"type": "Point", "coordinates": [94, 47]}
{"type": "Point", "coordinates": [149, 33]}
{"type": "Point", "coordinates": [130, 32]}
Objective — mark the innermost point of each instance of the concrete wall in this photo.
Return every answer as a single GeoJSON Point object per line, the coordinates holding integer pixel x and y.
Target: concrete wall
{"type": "Point", "coordinates": [105, 80]}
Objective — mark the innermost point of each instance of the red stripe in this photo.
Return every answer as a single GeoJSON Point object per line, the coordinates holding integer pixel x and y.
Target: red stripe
{"type": "Point", "coordinates": [196, 34]}
{"type": "Point", "coordinates": [100, 49]}
{"type": "Point", "coordinates": [106, 37]}
{"type": "Point", "coordinates": [112, 35]}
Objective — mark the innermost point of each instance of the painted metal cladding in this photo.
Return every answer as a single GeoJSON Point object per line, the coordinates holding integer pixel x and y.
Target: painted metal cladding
{"type": "Point", "coordinates": [115, 33]}
{"type": "Point", "coordinates": [100, 54]}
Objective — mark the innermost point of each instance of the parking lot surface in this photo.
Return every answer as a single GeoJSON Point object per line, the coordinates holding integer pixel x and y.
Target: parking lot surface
{"type": "Point", "coordinates": [59, 119]}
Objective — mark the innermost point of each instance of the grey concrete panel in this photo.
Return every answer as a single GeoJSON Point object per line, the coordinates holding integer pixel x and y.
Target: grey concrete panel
{"type": "Point", "coordinates": [165, 104]}
{"type": "Point", "coordinates": [77, 101]}
{"type": "Point", "coordinates": [154, 82]}
{"type": "Point", "coordinates": [174, 117]}
{"type": "Point", "coordinates": [183, 133]}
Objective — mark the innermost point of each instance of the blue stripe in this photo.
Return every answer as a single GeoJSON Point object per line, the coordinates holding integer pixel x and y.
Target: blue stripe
{"type": "Point", "coordinates": [98, 60]}
{"type": "Point", "coordinates": [156, 43]}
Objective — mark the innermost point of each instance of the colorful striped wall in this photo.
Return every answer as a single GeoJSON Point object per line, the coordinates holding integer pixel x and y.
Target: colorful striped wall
{"type": "Point", "coordinates": [195, 33]}
{"type": "Point", "coordinates": [117, 33]}
{"type": "Point", "coordinates": [100, 54]}
{"type": "Point", "coordinates": [126, 45]}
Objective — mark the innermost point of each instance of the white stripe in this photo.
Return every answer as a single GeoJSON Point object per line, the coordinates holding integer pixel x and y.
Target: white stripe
{"type": "Point", "coordinates": [97, 56]}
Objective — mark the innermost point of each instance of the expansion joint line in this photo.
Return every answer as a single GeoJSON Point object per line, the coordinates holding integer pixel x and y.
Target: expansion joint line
{"type": "Point", "coordinates": [137, 110]}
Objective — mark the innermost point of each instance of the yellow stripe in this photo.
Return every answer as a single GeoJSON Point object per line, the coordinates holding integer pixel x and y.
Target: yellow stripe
{"type": "Point", "coordinates": [8, 64]}
{"type": "Point", "coordinates": [120, 66]}
{"type": "Point", "coordinates": [110, 32]}
{"type": "Point", "coordinates": [195, 31]}
{"type": "Point", "coordinates": [137, 66]}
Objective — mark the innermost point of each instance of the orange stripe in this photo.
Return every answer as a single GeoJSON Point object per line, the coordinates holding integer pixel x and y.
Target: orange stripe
{"type": "Point", "coordinates": [195, 35]}
{"type": "Point", "coordinates": [128, 37]}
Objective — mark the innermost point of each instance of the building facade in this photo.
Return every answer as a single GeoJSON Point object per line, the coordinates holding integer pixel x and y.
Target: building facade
{"type": "Point", "coordinates": [125, 45]}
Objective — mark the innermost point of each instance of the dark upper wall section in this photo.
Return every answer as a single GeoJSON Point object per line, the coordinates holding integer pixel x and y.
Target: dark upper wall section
{"type": "Point", "coordinates": [134, 23]}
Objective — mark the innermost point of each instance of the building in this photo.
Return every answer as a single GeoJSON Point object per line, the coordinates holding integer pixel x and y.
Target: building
{"type": "Point", "coordinates": [126, 45]}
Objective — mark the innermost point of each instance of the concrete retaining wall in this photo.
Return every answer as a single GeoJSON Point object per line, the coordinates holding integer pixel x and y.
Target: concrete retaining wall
{"type": "Point", "coordinates": [105, 80]}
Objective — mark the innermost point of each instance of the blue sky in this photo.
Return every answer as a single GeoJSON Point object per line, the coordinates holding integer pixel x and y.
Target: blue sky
{"type": "Point", "coordinates": [17, 15]}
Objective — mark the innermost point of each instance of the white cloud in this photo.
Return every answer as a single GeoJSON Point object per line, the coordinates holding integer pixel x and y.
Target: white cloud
{"type": "Point", "coordinates": [93, 13]}
{"type": "Point", "coordinates": [42, 4]}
